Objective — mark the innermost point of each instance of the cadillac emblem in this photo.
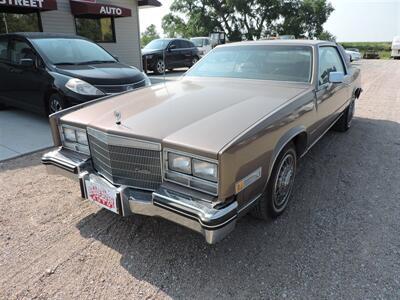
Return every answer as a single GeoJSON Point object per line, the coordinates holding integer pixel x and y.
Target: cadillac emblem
{"type": "Point", "coordinates": [117, 115]}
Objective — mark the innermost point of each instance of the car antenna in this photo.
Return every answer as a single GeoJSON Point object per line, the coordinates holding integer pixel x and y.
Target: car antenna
{"type": "Point", "coordinates": [164, 63]}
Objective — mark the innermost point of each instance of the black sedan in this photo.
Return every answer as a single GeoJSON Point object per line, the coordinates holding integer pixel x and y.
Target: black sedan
{"type": "Point", "coordinates": [168, 54]}
{"type": "Point", "coordinates": [45, 72]}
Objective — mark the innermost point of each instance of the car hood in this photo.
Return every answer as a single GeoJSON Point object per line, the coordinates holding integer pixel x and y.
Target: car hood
{"type": "Point", "coordinates": [151, 51]}
{"type": "Point", "coordinates": [192, 114]}
{"type": "Point", "coordinates": [103, 74]}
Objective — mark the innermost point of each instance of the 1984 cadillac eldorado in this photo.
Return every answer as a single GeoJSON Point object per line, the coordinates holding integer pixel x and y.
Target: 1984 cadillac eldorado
{"type": "Point", "coordinates": [222, 141]}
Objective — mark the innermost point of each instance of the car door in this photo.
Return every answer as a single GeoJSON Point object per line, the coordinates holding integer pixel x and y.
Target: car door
{"type": "Point", "coordinates": [27, 83]}
{"type": "Point", "coordinates": [188, 52]}
{"type": "Point", "coordinates": [173, 55]}
{"type": "Point", "coordinates": [331, 97]}
{"type": "Point", "coordinates": [183, 54]}
{"type": "Point", "coordinates": [4, 70]}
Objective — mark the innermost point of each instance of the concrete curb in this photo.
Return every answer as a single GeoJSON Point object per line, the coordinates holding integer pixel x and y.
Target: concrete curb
{"type": "Point", "coordinates": [25, 154]}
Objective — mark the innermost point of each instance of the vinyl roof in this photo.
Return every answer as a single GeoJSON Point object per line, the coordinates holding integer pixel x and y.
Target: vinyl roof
{"type": "Point", "coordinates": [281, 42]}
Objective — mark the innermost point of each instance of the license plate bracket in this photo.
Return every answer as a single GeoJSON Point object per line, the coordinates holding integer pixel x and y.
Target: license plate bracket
{"type": "Point", "coordinates": [102, 193]}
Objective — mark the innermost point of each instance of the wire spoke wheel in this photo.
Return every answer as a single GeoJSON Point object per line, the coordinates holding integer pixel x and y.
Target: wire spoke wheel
{"type": "Point", "coordinates": [284, 180]}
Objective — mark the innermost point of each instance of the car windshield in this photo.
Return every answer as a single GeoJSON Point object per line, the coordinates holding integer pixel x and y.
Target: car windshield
{"type": "Point", "coordinates": [197, 42]}
{"type": "Point", "coordinates": [61, 51]}
{"type": "Point", "coordinates": [280, 63]}
{"type": "Point", "coordinates": [157, 44]}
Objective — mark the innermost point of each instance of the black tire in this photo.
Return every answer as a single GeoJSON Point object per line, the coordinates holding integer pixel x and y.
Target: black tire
{"type": "Point", "coordinates": [55, 103]}
{"type": "Point", "coordinates": [272, 204]}
{"type": "Point", "coordinates": [194, 61]}
{"type": "Point", "coordinates": [345, 121]}
{"type": "Point", "coordinates": [159, 67]}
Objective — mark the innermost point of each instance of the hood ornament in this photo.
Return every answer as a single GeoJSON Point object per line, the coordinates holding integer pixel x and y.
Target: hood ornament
{"type": "Point", "coordinates": [118, 116]}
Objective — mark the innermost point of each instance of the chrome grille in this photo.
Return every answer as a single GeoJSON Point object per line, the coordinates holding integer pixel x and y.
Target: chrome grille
{"type": "Point", "coordinates": [115, 89]}
{"type": "Point", "coordinates": [126, 161]}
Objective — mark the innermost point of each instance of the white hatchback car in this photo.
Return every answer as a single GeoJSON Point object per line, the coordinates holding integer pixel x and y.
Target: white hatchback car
{"type": "Point", "coordinates": [354, 54]}
{"type": "Point", "coordinates": [203, 44]}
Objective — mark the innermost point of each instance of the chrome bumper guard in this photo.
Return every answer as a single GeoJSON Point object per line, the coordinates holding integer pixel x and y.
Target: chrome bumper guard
{"type": "Point", "coordinates": [177, 204]}
{"type": "Point", "coordinates": [66, 162]}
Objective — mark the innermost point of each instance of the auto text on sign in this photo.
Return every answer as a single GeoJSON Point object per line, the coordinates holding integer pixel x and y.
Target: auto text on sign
{"type": "Point", "coordinates": [107, 10]}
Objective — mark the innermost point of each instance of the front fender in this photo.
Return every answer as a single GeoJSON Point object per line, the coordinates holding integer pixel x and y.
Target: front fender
{"type": "Point", "coordinates": [282, 142]}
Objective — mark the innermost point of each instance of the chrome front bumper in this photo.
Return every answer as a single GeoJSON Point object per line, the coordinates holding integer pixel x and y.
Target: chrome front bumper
{"type": "Point", "coordinates": [174, 203]}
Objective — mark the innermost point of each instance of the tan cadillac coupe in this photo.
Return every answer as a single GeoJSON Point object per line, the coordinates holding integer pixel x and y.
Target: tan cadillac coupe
{"type": "Point", "coordinates": [220, 142]}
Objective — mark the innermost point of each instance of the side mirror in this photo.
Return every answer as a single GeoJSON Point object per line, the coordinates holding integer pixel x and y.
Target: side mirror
{"type": "Point", "coordinates": [27, 62]}
{"type": "Point", "coordinates": [336, 77]}
{"type": "Point", "coordinates": [171, 47]}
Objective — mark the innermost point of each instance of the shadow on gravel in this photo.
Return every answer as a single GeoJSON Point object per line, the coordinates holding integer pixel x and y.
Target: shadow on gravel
{"type": "Point", "coordinates": [23, 161]}
{"type": "Point", "coordinates": [338, 239]}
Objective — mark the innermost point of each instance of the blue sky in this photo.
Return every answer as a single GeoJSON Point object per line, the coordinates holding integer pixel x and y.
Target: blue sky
{"type": "Point", "coordinates": [365, 20]}
{"type": "Point", "coordinates": [352, 20]}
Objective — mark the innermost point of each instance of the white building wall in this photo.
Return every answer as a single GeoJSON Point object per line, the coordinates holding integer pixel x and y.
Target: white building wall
{"type": "Point", "coordinates": [127, 34]}
{"type": "Point", "coordinates": [60, 20]}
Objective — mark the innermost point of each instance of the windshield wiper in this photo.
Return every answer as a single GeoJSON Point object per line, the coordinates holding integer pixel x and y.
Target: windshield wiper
{"type": "Point", "coordinates": [65, 63]}
{"type": "Point", "coordinates": [96, 62]}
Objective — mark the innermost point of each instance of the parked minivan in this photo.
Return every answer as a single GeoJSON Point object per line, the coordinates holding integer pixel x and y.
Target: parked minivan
{"type": "Point", "coordinates": [46, 72]}
{"type": "Point", "coordinates": [396, 47]}
{"type": "Point", "coordinates": [203, 44]}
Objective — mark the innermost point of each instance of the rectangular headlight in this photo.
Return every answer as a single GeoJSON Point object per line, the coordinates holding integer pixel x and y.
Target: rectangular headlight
{"type": "Point", "coordinates": [179, 163]}
{"type": "Point", "coordinates": [192, 171]}
{"type": "Point", "coordinates": [69, 134]}
{"type": "Point", "coordinates": [205, 170]}
{"type": "Point", "coordinates": [81, 137]}
{"type": "Point", "coordinates": [74, 138]}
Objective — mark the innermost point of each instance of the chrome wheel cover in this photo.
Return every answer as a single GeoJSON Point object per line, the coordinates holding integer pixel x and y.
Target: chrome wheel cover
{"type": "Point", "coordinates": [284, 180]}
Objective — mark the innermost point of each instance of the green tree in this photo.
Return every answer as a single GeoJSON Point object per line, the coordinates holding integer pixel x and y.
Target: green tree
{"type": "Point", "coordinates": [304, 18]}
{"type": "Point", "coordinates": [173, 26]}
{"type": "Point", "coordinates": [200, 21]}
{"type": "Point", "coordinates": [326, 36]}
{"type": "Point", "coordinates": [252, 19]}
{"type": "Point", "coordinates": [149, 34]}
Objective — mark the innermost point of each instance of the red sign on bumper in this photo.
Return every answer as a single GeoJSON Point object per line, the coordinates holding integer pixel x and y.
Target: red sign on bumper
{"type": "Point", "coordinates": [102, 194]}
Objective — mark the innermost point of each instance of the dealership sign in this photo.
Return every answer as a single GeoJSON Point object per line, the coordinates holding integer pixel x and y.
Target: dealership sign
{"type": "Point", "coordinates": [85, 8]}
{"type": "Point", "coordinates": [109, 10]}
{"type": "Point", "coordinates": [30, 4]}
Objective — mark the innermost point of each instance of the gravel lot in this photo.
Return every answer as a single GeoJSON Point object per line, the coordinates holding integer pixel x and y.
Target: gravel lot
{"type": "Point", "coordinates": [339, 238]}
